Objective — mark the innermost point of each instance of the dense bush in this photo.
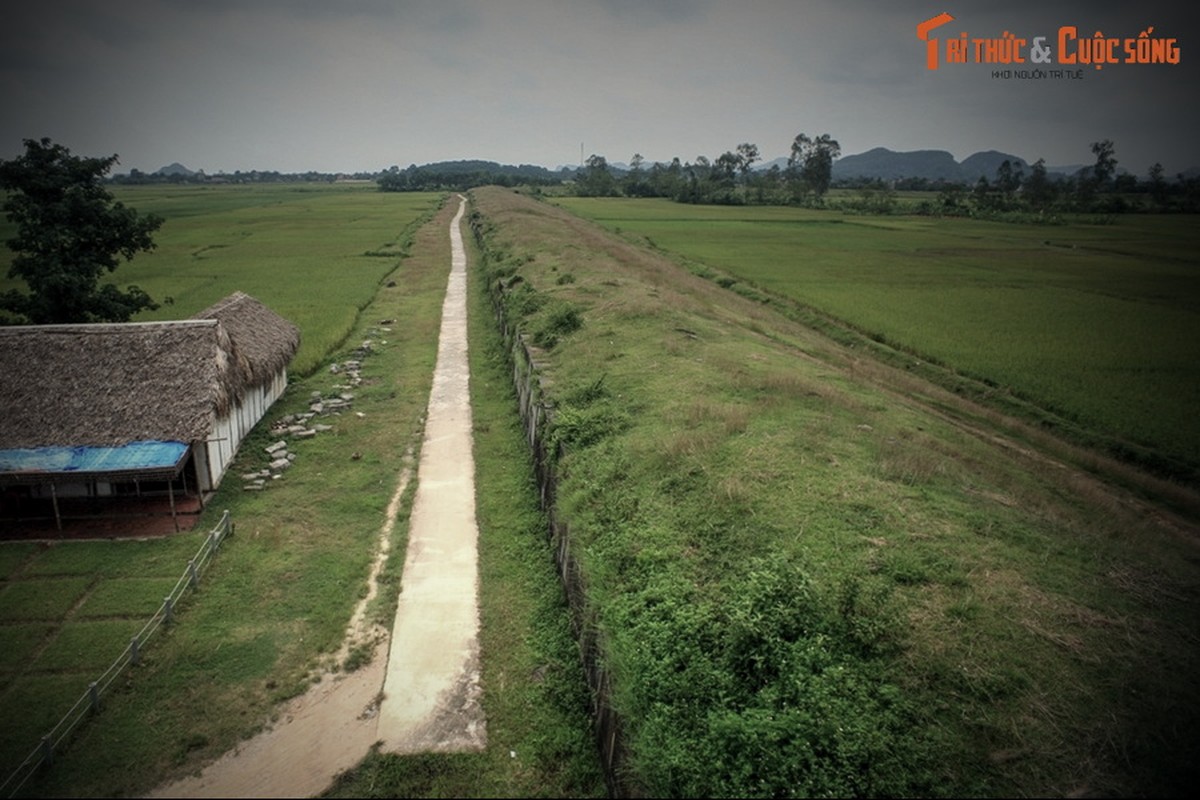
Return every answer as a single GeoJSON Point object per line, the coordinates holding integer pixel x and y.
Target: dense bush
{"type": "Point", "coordinates": [772, 690]}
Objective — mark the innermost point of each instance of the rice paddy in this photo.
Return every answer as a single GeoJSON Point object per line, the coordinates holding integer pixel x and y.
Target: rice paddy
{"type": "Point", "coordinates": [1098, 323]}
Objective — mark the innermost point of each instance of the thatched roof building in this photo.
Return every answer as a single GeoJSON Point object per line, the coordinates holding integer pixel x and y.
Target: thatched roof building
{"type": "Point", "coordinates": [87, 409]}
{"type": "Point", "coordinates": [107, 385]}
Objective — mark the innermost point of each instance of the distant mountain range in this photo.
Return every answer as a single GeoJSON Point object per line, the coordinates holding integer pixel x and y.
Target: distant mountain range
{"type": "Point", "coordinates": [175, 168]}
{"type": "Point", "coordinates": [879, 162]}
{"type": "Point", "coordinates": [934, 165]}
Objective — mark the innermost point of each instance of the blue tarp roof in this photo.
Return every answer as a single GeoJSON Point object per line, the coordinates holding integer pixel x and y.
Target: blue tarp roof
{"type": "Point", "coordinates": [134, 456]}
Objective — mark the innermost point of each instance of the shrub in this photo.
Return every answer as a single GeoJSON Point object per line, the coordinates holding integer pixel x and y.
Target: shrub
{"type": "Point", "coordinates": [576, 428]}
{"type": "Point", "coordinates": [561, 319]}
{"type": "Point", "coordinates": [773, 690]}
{"type": "Point", "coordinates": [522, 300]}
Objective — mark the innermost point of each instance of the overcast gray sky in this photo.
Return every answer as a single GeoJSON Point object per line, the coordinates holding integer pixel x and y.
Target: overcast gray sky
{"type": "Point", "coordinates": [295, 85]}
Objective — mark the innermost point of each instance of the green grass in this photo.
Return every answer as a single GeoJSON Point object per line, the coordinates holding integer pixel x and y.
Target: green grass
{"type": "Point", "coordinates": [272, 608]}
{"type": "Point", "coordinates": [12, 557]}
{"type": "Point", "coordinates": [140, 597]}
{"type": "Point", "coordinates": [274, 604]}
{"type": "Point", "coordinates": [1097, 323]}
{"type": "Point", "coordinates": [807, 576]}
{"type": "Point", "coordinates": [314, 253]}
{"type": "Point", "coordinates": [41, 600]}
{"type": "Point", "coordinates": [41, 709]}
{"type": "Point", "coordinates": [132, 558]}
{"type": "Point", "coordinates": [535, 698]}
{"type": "Point", "coordinates": [807, 572]}
{"type": "Point", "coordinates": [88, 647]}
{"type": "Point", "coordinates": [303, 250]}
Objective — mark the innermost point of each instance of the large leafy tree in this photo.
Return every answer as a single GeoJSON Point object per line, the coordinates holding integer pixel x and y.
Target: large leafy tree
{"type": "Point", "coordinates": [596, 180]}
{"type": "Point", "coordinates": [1106, 162]}
{"type": "Point", "coordinates": [810, 166]}
{"type": "Point", "coordinates": [747, 155]}
{"type": "Point", "coordinates": [1039, 191]}
{"type": "Point", "coordinates": [70, 232]}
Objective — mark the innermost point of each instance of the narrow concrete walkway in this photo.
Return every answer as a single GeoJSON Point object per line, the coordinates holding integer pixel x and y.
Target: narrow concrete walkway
{"type": "Point", "coordinates": [431, 681]}
{"type": "Point", "coordinates": [432, 691]}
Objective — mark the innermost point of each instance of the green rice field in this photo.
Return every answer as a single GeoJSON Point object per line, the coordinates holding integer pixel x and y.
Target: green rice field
{"type": "Point", "coordinates": [314, 253]}
{"type": "Point", "coordinates": [1097, 322]}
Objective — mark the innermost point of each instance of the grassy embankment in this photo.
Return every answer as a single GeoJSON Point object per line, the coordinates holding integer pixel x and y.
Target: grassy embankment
{"type": "Point", "coordinates": [272, 610]}
{"type": "Point", "coordinates": [1089, 329]}
{"type": "Point", "coordinates": [814, 574]}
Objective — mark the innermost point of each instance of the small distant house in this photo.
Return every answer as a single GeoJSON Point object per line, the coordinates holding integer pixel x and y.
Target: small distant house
{"type": "Point", "coordinates": [133, 410]}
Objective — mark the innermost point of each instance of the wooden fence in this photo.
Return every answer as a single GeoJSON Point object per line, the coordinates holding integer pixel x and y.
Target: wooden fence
{"type": "Point", "coordinates": [88, 703]}
{"type": "Point", "coordinates": [537, 415]}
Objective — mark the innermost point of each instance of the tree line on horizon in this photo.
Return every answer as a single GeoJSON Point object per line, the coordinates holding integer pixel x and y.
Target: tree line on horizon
{"type": "Point", "coordinates": [70, 230]}
{"type": "Point", "coordinates": [807, 178]}
{"type": "Point", "coordinates": [441, 176]}
{"type": "Point", "coordinates": [732, 179]}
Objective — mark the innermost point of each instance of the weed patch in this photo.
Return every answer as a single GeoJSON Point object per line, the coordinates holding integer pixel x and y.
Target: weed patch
{"type": "Point", "coordinates": [558, 320]}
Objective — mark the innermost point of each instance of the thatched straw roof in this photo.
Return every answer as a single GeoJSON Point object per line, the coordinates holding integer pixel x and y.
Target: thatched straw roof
{"type": "Point", "coordinates": [108, 385]}
{"type": "Point", "coordinates": [263, 341]}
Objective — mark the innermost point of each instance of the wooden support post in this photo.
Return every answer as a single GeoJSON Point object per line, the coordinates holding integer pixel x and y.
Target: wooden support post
{"type": "Point", "coordinates": [171, 496]}
{"type": "Point", "coordinates": [54, 502]}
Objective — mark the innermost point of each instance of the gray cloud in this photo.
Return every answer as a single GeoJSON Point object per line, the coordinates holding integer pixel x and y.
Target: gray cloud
{"type": "Point", "coordinates": [293, 86]}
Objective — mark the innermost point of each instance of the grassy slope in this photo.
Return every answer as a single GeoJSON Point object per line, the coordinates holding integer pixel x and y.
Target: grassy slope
{"type": "Point", "coordinates": [811, 579]}
{"type": "Point", "coordinates": [1096, 322]}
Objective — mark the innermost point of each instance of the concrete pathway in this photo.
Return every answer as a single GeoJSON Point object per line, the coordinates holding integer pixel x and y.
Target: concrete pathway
{"type": "Point", "coordinates": [432, 691]}
{"type": "Point", "coordinates": [431, 680]}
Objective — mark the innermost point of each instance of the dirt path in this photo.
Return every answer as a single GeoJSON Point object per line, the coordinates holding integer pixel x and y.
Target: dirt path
{"type": "Point", "coordinates": [424, 694]}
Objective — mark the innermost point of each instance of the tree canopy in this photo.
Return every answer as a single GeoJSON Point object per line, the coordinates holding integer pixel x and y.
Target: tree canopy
{"type": "Point", "coordinates": [811, 164]}
{"type": "Point", "coordinates": [70, 232]}
{"type": "Point", "coordinates": [596, 180]}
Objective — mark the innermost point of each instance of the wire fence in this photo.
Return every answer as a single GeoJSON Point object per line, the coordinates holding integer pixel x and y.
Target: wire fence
{"type": "Point", "coordinates": [89, 702]}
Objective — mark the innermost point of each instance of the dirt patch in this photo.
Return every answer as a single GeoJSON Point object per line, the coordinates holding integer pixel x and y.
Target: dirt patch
{"type": "Point", "coordinates": [321, 733]}
{"type": "Point", "coordinates": [318, 735]}
{"type": "Point", "coordinates": [107, 518]}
